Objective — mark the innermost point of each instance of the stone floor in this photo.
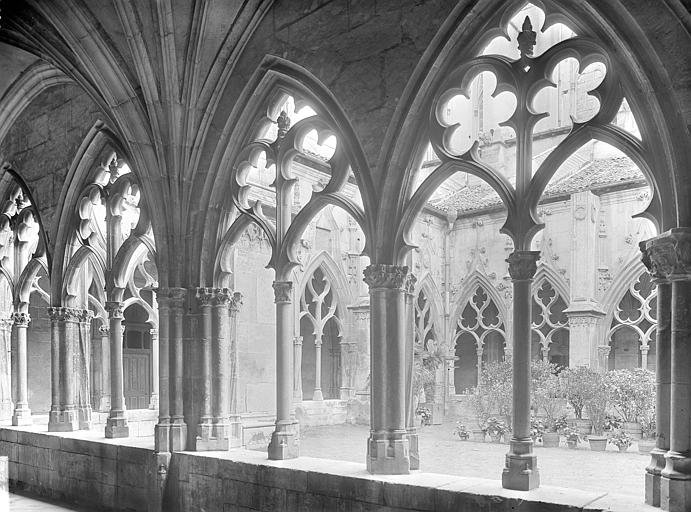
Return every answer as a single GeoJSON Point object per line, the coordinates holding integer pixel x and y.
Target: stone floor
{"type": "Point", "coordinates": [440, 452]}
{"type": "Point", "coordinates": [20, 503]}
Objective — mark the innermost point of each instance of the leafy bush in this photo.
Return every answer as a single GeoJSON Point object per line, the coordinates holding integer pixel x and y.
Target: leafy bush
{"type": "Point", "coordinates": [632, 392]}
{"type": "Point", "coordinates": [461, 431]}
{"type": "Point", "coordinates": [546, 392]}
{"type": "Point", "coordinates": [494, 394]}
{"type": "Point", "coordinates": [620, 439]}
{"type": "Point", "coordinates": [596, 404]}
{"type": "Point", "coordinates": [577, 384]}
{"type": "Point", "coordinates": [495, 427]}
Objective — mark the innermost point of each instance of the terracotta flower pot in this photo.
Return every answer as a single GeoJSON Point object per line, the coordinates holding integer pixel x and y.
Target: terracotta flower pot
{"type": "Point", "coordinates": [478, 436]}
{"type": "Point", "coordinates": [572, 444]}
{"type": "Point", "coordinates": [623, 448]}
{"type": "Point", "coordinates": [597, 443]}
{"type": "Point", "coordinates": [550, 439]}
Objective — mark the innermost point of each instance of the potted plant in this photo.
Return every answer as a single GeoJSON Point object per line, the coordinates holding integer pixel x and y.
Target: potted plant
{"type": "Point", "coordinates": [648, 431]}
{"type": "Point", "coordinates": [537, 429]}
{"type": "Point", "coordinates": [428, 360]}
{"type": "Point", "coordinates": [546, 397]}
{"type": "Point", "coordinates": [621, 440]}
{"type": "Point", "coordinates": [572, 436]}
{"type": "Point", "coordinates": [596, 408]}
{"type": "Point", "coordinates": [495, 428]}
{"type": "Point", "coordinates": [576, 384]}
{"type": "Point", "coordinates": [632, 391]}
{"type": "Point", "coordinates": [462, 432]}
{"type": "Point", "coordinates": [425, 415]}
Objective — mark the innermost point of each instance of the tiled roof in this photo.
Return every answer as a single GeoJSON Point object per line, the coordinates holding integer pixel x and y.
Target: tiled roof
{"type": "Point", "coordinates": [596, 174]}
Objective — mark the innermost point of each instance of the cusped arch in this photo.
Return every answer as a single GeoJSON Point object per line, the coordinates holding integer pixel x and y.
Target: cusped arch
{"type": "Point", "coordinates": [628, 274]}
{"type": "Point", "coordinates": [69, 293]}
{"type": "Point", "coordinates": [333, 272]}
{"type": "Point", "coordinates": [129, 254]}
{"type": "Point", "coordinates": [273, 75]}
{"type": "Point", "coordinates": [427, 284]}
{"type": "Point", "coordinates": [548, 273]}
{"type": "Point", "coordinates": [467, 291]}
{"type": "Point", "coordinates": [25, 282]}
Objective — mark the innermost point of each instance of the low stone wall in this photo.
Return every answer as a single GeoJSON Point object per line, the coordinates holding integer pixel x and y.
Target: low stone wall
{"type": "Point", "coordinates": [106, 475]}
{"type": "Point", "coordinates": [99, 474]}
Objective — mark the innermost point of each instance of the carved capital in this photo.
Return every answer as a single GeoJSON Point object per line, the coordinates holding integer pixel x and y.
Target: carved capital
{"type": "Point", "coordinates": [385, 276]}
{"type": "Point", "coordinates": [115, 309]}
{"type": "Point", "coordinates": [6, 324]}
{"type": "Point", "coordinates": [297, 341]}
{"type": "Point", "coordinates": [409, 284]}
{"type": "Point", "coordinates": [204, 296]}
{"type": "Point", "coordinates": [154, 334]}
{"type": "Point", "coordinates": [221, 297]}
{"type": "Point", "coordinates": [282, 291]}
{"type": "Point", "coordinates": [603, 351]}
{"type": "Point", "coordinates": [668, 256]}
{"type": "Point", "coordinates": [21, 319]}
{"type": "Point", "coordinates": [104, 330]}
{"type": "Point", "coordinates": [236, 302]}
{"type": "Point", "coordinates": [61, 314]}
{"type": "Point", "coordinates": [523, 265]}
{"type": "Point", "coordinates": [162, 297]}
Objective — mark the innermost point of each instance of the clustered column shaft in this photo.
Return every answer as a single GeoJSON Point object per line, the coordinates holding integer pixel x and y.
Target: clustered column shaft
{"type": "Point", "coordinates": [668, 257]}
{"type": "Point", "coordinates": [411, 429]}
{"type": "Point", "coordinates": [178, 427]}
{"type": "Point", "coordinates": [521, 471]}
{"type": "Point", "coordinates": [388, 445]}
{"type": "Point", "coordinates": [162, 429]}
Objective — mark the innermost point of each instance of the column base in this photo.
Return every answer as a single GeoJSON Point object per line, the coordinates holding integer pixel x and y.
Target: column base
{"type": "Point", "coordinates": [85, 417]}
{"type": "Point", "coordinates": [285, 441]}
{"type": "Point", "coordinates": [652, 477]}
{"type": "Point", "coordinates": [162, 437]}
{"type": "Point", "coordinates": [153, 402]}
{"type": "Point", "coordinates": [178, 436]}
{"type": "Point", "coordinates": [219, 436]}
{"type": "Point", "coordinates": [675, 483]}
{"type": "Point", "coordinates": [63, 421]}
{"type": "Point", "coordinates": [116, 426]}
{"type": "Point", "coordinates": [388, 453]}
{"type": "Point", "coordinates": [520, 472]}
{"type": "Point", "coordinates": [22, 417]}
{"type": "Point", "coordinates": [413, 445]}
{"type": "Point", "coordinates": [317, 396]}
{"type": "Point", "coordinates": [102, 403]}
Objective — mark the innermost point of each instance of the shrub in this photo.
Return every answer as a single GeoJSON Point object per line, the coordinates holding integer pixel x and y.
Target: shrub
{"type": "Point", "coordinates": [461, 431]}
{"type": "Point", "coordinates": [577, 384]}
{"type": "Point", "coordinates": [495, 427]}
{"type": "Point", "coordinates": [596, 404]}
{"type": "Point", "coordinates": [632, 392]}
{"type": "Point", "coordinates": [620, 439]}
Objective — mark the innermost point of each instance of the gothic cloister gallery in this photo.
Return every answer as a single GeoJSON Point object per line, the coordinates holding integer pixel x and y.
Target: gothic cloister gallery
{"type": "Point", "coordinates": [225, 222]}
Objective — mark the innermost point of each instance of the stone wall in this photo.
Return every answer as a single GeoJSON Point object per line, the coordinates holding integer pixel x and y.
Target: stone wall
{"type": "Point", "coordinates": [99, 474]}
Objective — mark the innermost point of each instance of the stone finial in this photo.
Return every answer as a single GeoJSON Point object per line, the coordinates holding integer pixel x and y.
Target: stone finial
{"type": "Point", "coordinates": [382, 275]}
{"type": "Point", "coordinates": [282, 291]}
{"type": "Point", "coordinates": [523, 264]}
{"type": "Point", "coordinates": [526, 38]}
{"type": "Point", "coordinates": [283, 122]}
{"type": "Point", "coordinates": [21, 319]}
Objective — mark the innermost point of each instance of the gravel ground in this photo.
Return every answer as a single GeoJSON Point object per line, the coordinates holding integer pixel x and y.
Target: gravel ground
{"type": "Point", "coordinates": [440, 452]}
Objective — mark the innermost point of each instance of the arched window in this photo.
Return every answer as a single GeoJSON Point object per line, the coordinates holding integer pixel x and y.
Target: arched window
{"type": "Point", "coordinates": [632, 332]}
{"type": "Point", "coordinates": [321, 331]}
{"type": "Point", "coordinates": [550, 340]}
{"type": "Point", "coordinates": [480, 337]}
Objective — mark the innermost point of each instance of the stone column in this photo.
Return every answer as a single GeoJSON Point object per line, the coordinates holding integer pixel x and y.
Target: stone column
{"type": "Point", "coordinates": [317, 395]}
{"type": "Point", "coordinates": [348, 366]}
{"type": "Point", "coordinates": [411, 428]}
{"type": "Point", "coordinates": [235, 432]}
{"type": "Point", "coordinates": [521, 472]}
{"type": "Point", "coordinates": [101, 370]}
{"type": "Point", "coordinates": [603, 357]}
{"type": "Point", "coordinates": [480, 350]}
{"type": "Point", "coordinates": [22, 413]}
{"type": "Point", "coordinates": [116, 424]}
{"type": "Point", "coordinates": [153, 403]}
{"type": "Point", "coordinates": [64, 414]}
{"type": "Point", "coordinates": [644, 355]}
{"type": "Point", "coordinates": [297, 369]}
{"type": "Point", "coordinates": [669, 255]}
{"type": "Point", "coordinates": [162, 429]}
{"type": "Point", "coordinates": [6, 408]}
{"type": "Point", "coordinates": [285, 443]}
{"type": "Point", "coordinates": [204, 296]}
{"type": "Point", "coordinates": [178, 427]}
{"type": "Point", "coordinates": [388, 449]}
{"type": "Point", "coordinates": [84, 358]}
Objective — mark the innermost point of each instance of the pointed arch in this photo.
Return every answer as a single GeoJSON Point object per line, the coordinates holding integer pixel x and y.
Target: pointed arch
{"type": "Point", "coordinates": [130, 252]}
{"type": "Point", "coordinates": [25, 283]}
{"type": "Point", "coordinates": [84, 254]}
{"type": "Point", "coordinates": [547, 273]}
{"type": "Point", "coordinates": [98, 141]}
{"type": "Point", "coordinates": [335, 274]}
{"type": "Point", "coordinates": [272, 76]}
{"type": "Point", "coordinates": [628, 274]}
{"type": "Point", "coordinates": [427, 284]}
{"type": "Point", "coordinates": [466, 292]}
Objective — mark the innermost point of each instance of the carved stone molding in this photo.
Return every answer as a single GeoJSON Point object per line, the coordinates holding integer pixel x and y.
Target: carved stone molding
{"type": "Point", "coordinates": [385, 276]}
{"type": "Point", "coordinates": [585, 320]}
{"type": "Point", "coordinates": [523, 265]}
{"type": "Point", "coordinates": [115, 309]}
{"type": "Point", "coordinates": [21, 319]}
{"type": "Point", "coordinates": [236, 302]}
{"type": "Point", "coordinates": [282, 291]}
{"type": "Point", "coordinates": [204, 296]}
{"type": "Point", "coordinates": [668, 256]}
{"type": "Point", "coordinates": [61, 314]}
